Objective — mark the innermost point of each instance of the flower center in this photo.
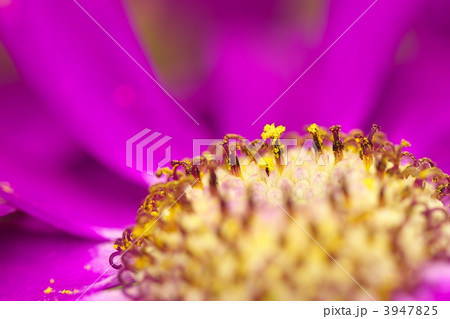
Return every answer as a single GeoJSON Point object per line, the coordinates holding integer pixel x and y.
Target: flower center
{"type": "Point", "coordinates": [316, 220]}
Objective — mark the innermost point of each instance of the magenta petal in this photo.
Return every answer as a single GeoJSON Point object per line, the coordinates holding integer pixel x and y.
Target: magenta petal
{"type": "Point", "coordinates": [31, 258]}
{"type": "Point", "coordinates": [6, 208]}
{"type": "Point", "coordinates": [433, 284]}
{"type": "Point", "coordinates": [416, 104]}
{"type": "Point", "coordinates": [44, 172]}
{"type": "Point", "coordinates": [106, 295]}
{"type": "Point", "coordinates": [256, 66]}
{"type": "Point", "coordinates": [345, 82]}
{"type": "Point", "coordinates": [95, 89]}
{"type": "Point", "coordinates": [436, 281]}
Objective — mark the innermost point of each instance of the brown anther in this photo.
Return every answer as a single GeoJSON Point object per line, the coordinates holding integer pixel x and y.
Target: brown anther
{"type": "Point", "coordinates": [235, 169]}
{"type": "Point", "coordinates": [232, 160]}
{"type": "Point", "coordinates": [426, 160]}
{"type": "Point", "coordinates": [186, 164]}
{"type": "Point", "coordinates": [447, 177]}
{"type": "Point", "coordinates": [442, 190]}
{"type": "Point", "coordinates": [317, 138]}
{"type": "Point", "coordinates": [411, 156]}
{"type": "Point", "coordinates": [195, 171]}
{"type": "Point", "coordinates": [164, 171]}
{"type": "Point", "coordinates": [375, 128]}
{"type": "Point", "coordinates": [358, 137]}
{"type": "Point", "coordinates": [213, 182]}
{"type": "Point", "coordinates": [338, 146]}
{"type": "Point", "coordinates": [366, 153]}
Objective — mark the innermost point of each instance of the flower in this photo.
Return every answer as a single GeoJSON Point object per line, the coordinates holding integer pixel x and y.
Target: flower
{"type": "Point", "coordinates": [70, 97]}
{"type": "Point", "coordinates": [351, 219]}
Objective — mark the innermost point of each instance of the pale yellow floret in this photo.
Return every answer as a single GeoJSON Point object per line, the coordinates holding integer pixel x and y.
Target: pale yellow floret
{"type": "Point", "coordinates": [370, 183]}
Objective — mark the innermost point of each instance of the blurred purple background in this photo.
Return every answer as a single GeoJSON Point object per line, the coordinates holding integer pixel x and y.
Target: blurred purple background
{"type": "Point", "coordinates": [70, 96]}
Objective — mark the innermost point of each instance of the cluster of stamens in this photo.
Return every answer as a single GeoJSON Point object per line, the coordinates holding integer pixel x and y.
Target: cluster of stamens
{"type": "Point", "coordinates": [267, 221]}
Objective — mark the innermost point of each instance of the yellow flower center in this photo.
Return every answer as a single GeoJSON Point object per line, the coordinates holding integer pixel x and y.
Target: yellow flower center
{"type": "Point", "coordinates": [352, 217]}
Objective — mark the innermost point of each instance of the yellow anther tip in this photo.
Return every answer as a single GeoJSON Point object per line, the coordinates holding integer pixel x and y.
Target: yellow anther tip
{"type": "Point", "coordinates": [405, 143]}
{"type": "Point", "coordinates": [313, 128]}
{"type": "Point", "coordinates": [267, 162]}
{"type": "Point", "coordinates": [272, 131]}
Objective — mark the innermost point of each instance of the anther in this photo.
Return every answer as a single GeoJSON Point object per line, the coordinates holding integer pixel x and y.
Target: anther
{"type": "Point", "coordinates": [232, 160]}
{"type": "Point", "coordinates": [313, 129]}
{"type": "Point", "coordinates": [375, 128]}
{"type": "Point", "coordinates": [338, 146]}
{"type": "Point", "coordinates": [366, 153]}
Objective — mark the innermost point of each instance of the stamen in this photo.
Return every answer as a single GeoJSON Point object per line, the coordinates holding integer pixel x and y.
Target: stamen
{"type": "Point", "coordinates": [232, 158]}
{"type": "Point", "coordinates": [274, 133]}
{"type": "Point", "coordinates": [338, 146]}
{"type": "Point", "coordinates": [412, 157]}
{"type": "Point", "coordinates": [313, 129]}
{"type": "Point", "coordinates": [375, 128]}
{"type": "Point", "coordinates": [426, 160]}
{"type": "Point", "coordinates": [366, 153]}
{"type": "Point", "coordinates": [442, 191]}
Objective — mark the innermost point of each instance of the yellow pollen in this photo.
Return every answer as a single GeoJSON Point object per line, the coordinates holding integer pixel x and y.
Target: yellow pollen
{"type": "Point", "coordinates": [69, 292]}
{"type": "Point", "coordinates": [405, 143]}
{"type": "Point", "coordinates": [49, 290]}
{"type": "Point", "coordinates": [314, 130]}
{"type": "Point", "coordinates": [270, 131]}
{"type": "Point", "coordinates": [267, 162]}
